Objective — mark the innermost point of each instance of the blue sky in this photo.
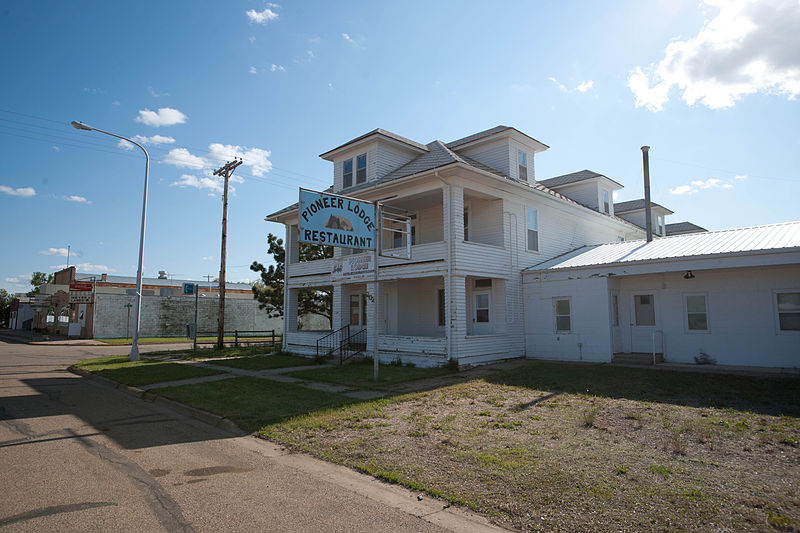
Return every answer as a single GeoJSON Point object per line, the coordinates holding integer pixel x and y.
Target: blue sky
{"type": "Point", "coordinates": [711, 87]}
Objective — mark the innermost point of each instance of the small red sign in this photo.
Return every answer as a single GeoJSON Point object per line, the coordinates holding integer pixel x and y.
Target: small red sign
{"type": "Point", "coordinates": [80, 287]}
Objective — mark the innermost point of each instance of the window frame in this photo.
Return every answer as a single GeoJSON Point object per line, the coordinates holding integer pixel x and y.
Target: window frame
{"type": "Point", "coordinates": [556, 315]}
{"type": "Point", "coordinates": [777, 311]}
{"type": "Point", "coordinates": [686, 312]}
{"type": "Point", "coordinates": [361, 172]}
{"type": "Point", "coordinates": [345, 184]}
{"type": "Point", "coordinates": [522, 165]}
{"type": "Point", "coordinates": [606, 201]}
{"type": "Point", "coordinates": [528, 229]}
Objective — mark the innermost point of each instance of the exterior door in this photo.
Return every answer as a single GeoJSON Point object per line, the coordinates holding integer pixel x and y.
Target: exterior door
{"type": "Point", "coordinates": [643, 323]}
{"type": "Point", "coordinates": [481, 312]}
{"type": "Point", "coordinates": [358, 310]}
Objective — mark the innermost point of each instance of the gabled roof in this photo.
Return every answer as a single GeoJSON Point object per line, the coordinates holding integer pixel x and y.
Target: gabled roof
{"type": "Point", "coordinates": [772, 238]}
{"type": "Point", "coordinates": [379, 132]}
{"type": "Point", "coordinates": [683, 227]}
{"type": "Point", "coordinates": [488, 133]}
{"type": "Point", "coordinates": [574, 177]}
{"type": "Point", "coordinates": [635, 205]}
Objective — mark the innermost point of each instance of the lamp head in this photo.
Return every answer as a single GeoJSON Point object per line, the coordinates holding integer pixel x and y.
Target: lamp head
{"type": "Point", "coordinates": [81, 126]}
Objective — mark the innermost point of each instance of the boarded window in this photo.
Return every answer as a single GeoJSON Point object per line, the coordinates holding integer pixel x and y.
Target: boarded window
{"type": "Point", "coordinates": [789, 311]}
{"type": "Point", "coordinates": [347, 174]}
{"type": "Point", "coordinates": [533, 230]}
{"type": "Point", "coordinates": [696, 312]}
{"type": "Point", "coordinates": [645, 309]}
{"type": "Point", "coordinates": [563, 315]}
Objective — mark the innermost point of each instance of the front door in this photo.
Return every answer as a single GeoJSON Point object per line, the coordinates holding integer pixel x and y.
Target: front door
{"type": "Point", "coordinates": [358, 311]}
{"type": "Point", "coordinates": [643, 323]}
{"type": "Point", "coordinates": [481, 312]}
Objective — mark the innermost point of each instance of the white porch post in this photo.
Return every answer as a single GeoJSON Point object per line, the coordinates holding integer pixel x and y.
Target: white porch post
{"type": "Point", "coordinates": [290, 311]}
{"type": "Point", "coordinates": [372, 317]}
{"type": "Point", "coordinates": [340, 314]}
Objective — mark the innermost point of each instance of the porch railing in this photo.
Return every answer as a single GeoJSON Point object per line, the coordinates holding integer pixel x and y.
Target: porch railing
{"type": "Point", "coordinates": [342, 344]}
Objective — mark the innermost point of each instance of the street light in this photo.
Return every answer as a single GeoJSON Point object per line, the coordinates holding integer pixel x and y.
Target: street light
{"type": "Point", "coordinates": [134, 356]}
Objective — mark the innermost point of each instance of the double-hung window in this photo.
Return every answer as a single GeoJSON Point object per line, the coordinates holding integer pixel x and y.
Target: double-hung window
{"type": "Point", "coordinates": [788, 311]}
{"type": "Point", "coordinates": [347, 174]}
{"type": "Point", "coordinates": [696, 312]}
{"type": "Point", "coordinates": [522, 161]}
{"type": "Point", "coordinates": [533, 230]}
{"type": "Point", "coordinates": [563, 315]}
{"type": "Point", "coordinates": [361, 168]}
{"type": "Point", "coordinates": [606, 203]}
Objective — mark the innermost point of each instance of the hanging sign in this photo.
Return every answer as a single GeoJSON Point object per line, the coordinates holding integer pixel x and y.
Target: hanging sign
{"type": "Point", "coordinates": [354, 267]}
{"type": "Point", "coordinates": [334, 220]}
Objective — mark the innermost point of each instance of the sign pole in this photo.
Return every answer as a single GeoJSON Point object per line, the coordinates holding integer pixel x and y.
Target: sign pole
{"type": "Point", "coordinates": [196, 296]}
{"type": "Point", "coordinates": [376, 298]}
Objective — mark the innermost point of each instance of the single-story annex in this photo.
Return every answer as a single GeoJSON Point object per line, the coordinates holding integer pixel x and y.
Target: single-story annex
{"type": "Point", "coordinates": [504, 265]}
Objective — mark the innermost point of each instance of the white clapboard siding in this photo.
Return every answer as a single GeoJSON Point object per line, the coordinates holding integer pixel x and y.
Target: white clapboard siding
{"type": "Point", "coordinates": [412, 344]}
{"type": "Point", "coordinates": [496, 155]}
{"type": "Point", "coordinates": [586, 193]}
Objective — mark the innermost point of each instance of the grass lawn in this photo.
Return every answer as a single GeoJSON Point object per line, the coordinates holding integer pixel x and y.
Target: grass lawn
{"type": "Point", "coordinates": [142, 372]}
{"type": "Point", "coordinates": [360, 374]}
{"type": "Point", "coordinates": [260, 362]}
{"type": "Point", "coordinates": [251, 402]}
{"type": "Point", "coordinates": [169, 340]}
{"type": "Point", "coordinates": [560, 447]}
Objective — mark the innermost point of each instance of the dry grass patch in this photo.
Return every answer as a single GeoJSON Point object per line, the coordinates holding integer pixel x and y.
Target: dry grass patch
{"type": "Point", "coordinates": [537, 450]}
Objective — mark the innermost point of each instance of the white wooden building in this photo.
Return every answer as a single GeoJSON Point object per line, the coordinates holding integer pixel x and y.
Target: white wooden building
{"type": "Point", "coordinates": [480, 219]}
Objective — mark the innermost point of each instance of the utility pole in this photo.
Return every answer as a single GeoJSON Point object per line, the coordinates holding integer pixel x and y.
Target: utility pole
{"type": "Point", "coordinates": [226, 171]}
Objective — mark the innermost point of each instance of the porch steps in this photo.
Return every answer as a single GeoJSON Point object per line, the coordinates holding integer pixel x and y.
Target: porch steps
{"type": "Point", "coordinates": [637, 358]}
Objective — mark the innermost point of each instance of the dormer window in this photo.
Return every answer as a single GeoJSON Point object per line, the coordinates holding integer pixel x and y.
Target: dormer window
{"type": "Point", "coordinates": [347, 174]}
{"type": "Point", "coordinates": [606, 204]}
{"type": "Point", "coordinates": [361, 168]}
{"type": "Point", "coordinates": [522, 160]}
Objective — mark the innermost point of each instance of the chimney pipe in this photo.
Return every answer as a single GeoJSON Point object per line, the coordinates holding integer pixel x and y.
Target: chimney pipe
{"type": "Point", "coordinates": [647, 209]}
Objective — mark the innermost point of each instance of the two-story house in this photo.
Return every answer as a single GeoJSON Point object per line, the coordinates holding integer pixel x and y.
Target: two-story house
{"type": "Point", "coordinates": [479, 217]}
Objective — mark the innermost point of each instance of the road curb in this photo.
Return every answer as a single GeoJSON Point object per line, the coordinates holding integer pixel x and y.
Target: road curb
{"type": "Point", "coordinates": [217, 421]}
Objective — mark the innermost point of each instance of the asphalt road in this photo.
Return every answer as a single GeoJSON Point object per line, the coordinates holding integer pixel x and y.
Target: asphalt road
{"type": "Point", "coordinates": [76, 455]}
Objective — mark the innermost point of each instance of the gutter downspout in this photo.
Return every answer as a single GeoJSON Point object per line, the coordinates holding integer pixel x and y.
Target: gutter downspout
{"type": "Point", "coordinates": [449, 282]}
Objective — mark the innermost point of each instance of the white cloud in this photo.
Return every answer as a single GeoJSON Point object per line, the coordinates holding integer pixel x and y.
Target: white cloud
{"type": "Point", "coordinates": [252, 39]}
{"type": "Point", "coordinates": [740, 177]}
{"type": "Point", "coordinates": [615, 196]}
{"type": "Point", "coordinates": [115, 103]}
{"type": "Point", "coordinates": [253, 70]}
{"type": "Point", "coordinates": [698, 185]}
{"type": "Point", "coordinates": [141, 139]}
{"type": "Point", "coordinates": [255, 158]}
{"type": "Point", "coordinates": [207, 258]}
{"type": "Point", "coordinates": [13, 280]}
{"type": "Point", "coordinates": [21, 191]}
{"type": "Point", "coordinates": [277, 68]}
{"type": "Point", "coordinates": [212, 183]}
{"type": "Point", "coordinates": [155, 94]}
{"type": "Point", "coordinates": [166, 116]}
{"type": "Point", "coordinates": [59, 252]}
{"type": "Point", "coordinates": [86, 267]}
{"type": "Point", "coordinates": [748, 47]}
{"type": "Point", "coordinates": [683, 189]}
{"type": "Point", "coordinates": [77, 199]}
{"type": "Point", "coordinates": [349, 39]}
{"type": "Point", "coordinates": [261, 17]}
{"type": "Point", "coordinates": [559, 84]}
{"type": "Point", "coordinates": [584, 86]}
{"type": "Point", "coordinates": [56, 148]}
{"type": "Point", "coordinates": [182, 158]}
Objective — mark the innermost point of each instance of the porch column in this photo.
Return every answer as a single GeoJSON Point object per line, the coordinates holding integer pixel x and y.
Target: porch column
{"type": "Point", "coordinates": [459, 313]}
{"type": "Point", "coordinates": [340, 313]}
{"type": "Point", "coordinates": [372, 316]}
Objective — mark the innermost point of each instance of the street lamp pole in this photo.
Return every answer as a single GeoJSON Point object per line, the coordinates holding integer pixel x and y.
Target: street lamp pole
{"type": "Point", "coordinates": [134, 355]}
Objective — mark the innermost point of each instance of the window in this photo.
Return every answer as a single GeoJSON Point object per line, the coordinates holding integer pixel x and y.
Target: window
{"type": "Point", "coordinates": [645, 309]}
{"type": "Point", "coordinates": [533, 230]}
{"type": "Point", "coordinates": [522, 160]}
{"type": "Point", "coordinates": [397, 236]}
{"type": "Point", "coordinates": [361, 168]}
{"type": "Point", "coordinates": [440, 305]}
{"type": "Point", "coordinates": [696, 312]}
{"type": "Point", "coordinates": [606, 205]}
{"type": "Point", "coordinates": [466, 223]}
{"type": "Point", "coordinates": [347, 174]}
{"type": "Point", "coordinates": [563, 315]}
{"type": "Point", "coordinates": [788, 311]}
{"type": "Point", "coordinates": [483, 283]}
{"type": "Point", "coordinates": [481, 307]}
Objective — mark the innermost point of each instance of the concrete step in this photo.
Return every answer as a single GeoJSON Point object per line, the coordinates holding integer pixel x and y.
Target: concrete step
{"type": "Point", "coordinates": [636, 358]}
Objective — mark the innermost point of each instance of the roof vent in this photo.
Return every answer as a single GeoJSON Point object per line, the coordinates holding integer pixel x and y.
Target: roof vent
{"type": "Point", "coordinates": [162, 274]}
